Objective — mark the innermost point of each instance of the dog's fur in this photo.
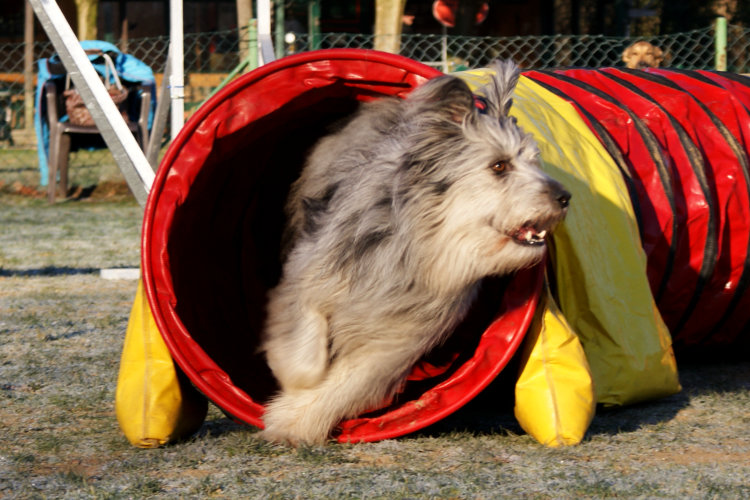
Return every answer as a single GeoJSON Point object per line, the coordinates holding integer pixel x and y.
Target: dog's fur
{"type": "Point", "coordinates": [642, 54]}
{"type": "Point", "coordinates": [393, 223]}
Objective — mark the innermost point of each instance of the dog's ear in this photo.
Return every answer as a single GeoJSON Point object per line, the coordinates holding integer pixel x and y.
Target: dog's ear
{"type": "Point", "coordinates": [627, 54]}
{"type": "Point", "coordinates": [499, 92]}
{"type": "Point", "coordinates": [447, 96]}
{"type": "Point", "coordinates": [658, 56]}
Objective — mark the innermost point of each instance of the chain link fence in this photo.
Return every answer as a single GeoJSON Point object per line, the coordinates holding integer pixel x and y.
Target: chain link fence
{"type": "Point", "coordinates": [690, 50]}
{"type": "Point", "coordinates": [211, 57]}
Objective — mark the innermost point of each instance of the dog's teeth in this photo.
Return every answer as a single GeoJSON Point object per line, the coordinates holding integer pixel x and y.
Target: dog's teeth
{"type": "Point", "coordinates": [542, 234]}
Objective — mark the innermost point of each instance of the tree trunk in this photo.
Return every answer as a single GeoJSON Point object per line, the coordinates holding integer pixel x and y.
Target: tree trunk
{"type": "Point", "coordinates": [388, 16]}
{"type": "Point", "coordinates": [244, 15]}
{"type": "Point", "coordinates": [28, 69]}
{"type": "Point", "coordinates": [86, 17]}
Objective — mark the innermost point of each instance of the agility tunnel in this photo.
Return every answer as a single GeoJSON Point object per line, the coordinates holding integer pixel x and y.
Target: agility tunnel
{"type": "Point", "coordinates": [213, 226]}
{"type": "Point", "coordinates": [657, 163]}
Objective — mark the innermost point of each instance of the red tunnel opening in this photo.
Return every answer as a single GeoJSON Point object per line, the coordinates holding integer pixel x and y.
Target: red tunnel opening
{"type": "Point", "coordinates": [212, 230]}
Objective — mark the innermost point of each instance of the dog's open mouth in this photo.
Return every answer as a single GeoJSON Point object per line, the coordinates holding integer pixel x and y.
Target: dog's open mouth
{"type": "Point", "coordinates": [529, 235]}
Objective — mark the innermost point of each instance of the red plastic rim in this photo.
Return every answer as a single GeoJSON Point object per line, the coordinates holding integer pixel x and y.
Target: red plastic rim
{"type": "Point", "coordinates": [212, 228]}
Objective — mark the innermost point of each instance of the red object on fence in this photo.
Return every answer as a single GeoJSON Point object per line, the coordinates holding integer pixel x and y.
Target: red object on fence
{"type": "Point", "coordinates": [445, 12]}
{"type": "Point", "coordinates": [212, 231]}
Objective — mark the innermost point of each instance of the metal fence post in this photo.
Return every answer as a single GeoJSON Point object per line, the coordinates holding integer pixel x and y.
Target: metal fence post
{"type": "Point", "coordinates": [444, 49]}
{"type": "Point", "coordinates": [280, 31]}
{"type": "Point", "coordinates": [313, 15]}
{"type": "Point", "coordinates": [721, 43]}
{"type": "Point", "coordinates": [177, 67]}
{"type": "Point", "coordinates": [28, 69]}
{"type": "Point", "coordinates": [265, 42]}
{"type": "Point", "coordinates": [252, 45]}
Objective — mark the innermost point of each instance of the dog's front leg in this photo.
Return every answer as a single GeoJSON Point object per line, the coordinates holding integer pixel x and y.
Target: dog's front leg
{"type": "Point", "coordinates": [297, 347]}
{"type": "Point", "coordinates": [354, 384]}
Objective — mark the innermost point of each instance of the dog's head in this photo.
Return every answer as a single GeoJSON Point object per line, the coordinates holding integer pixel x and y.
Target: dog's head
{"type": "Point", "coordinates": [641, 55]}
{"type": "Point", "coordinates": [477, 173]}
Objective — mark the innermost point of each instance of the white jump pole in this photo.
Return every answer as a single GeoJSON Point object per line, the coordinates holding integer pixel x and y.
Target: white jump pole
{"type": "Point", "coordinates": [266, 53]}
{"type": "Point", "coordinates": [125, 150]}
{"type": "Point", "coordinates": [177, 66]}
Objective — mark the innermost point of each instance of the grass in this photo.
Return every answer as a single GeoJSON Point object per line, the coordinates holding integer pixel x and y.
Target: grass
{"type": "Point", "coordinates": [61, 333]}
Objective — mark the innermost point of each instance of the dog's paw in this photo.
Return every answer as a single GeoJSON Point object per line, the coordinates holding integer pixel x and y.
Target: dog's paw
{"type": "Point", "coordinates": [291, 422]}
{"type": "Point", "coordinates": [293, 437]}
{"type": "Point", "coordinates": [280, 436]}
{"type": "Point", "coordinates": [274, 436]}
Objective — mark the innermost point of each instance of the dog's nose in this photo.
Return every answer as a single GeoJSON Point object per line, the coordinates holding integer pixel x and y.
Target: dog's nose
{"type": "Point", "coordinates": [563, 198]}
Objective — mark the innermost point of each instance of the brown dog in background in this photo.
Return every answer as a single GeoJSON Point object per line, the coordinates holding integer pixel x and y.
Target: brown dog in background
{"type": "Point", "coordinates": [641, 55]}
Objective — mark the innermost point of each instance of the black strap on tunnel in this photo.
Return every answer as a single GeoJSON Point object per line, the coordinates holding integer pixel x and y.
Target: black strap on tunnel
{"type": "Point", "coordinates": [698, 76]}
{"type": "Point", "coordinates": [695, 158]}
{"type": "Point", "coordinates": [741, 79]}
{"type": "Point", "coordinates": [652, 145]}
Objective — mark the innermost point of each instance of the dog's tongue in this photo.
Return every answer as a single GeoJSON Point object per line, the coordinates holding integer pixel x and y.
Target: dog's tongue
{"type": "Point", "coordinates": [530, 236]}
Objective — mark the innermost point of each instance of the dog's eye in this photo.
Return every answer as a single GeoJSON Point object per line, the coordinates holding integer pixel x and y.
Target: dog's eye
{"type": "Point", "coordinates": [500, 167]}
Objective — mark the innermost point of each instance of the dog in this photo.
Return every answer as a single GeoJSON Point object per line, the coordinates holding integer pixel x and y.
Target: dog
{"type": "Point", "coordinates": [392, 225]}
{"type": "Point", "coordinates": [642, 54]}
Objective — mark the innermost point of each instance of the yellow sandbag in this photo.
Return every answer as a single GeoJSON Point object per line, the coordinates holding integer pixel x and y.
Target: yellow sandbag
{"type": "Point", "coordinates": [599, 264]}
{"type": "Point", "coordinates": [554, 391]}
{"type": "Point", "coordinates": [155, 404]}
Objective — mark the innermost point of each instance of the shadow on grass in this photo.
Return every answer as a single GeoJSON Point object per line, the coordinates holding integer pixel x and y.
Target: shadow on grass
{"type": "Point", "coordinates": [19, 170]}
{"type": "Point", "coordinates": [223, 425]}
{"type": "Point", "coordinates": [697, 378]}
{"type": "Point", "coordinates": [47, 271]}
{"type": "Point", "coordinates": [491, 412]}
{"type": "Point", "coordinates": [728, 375]}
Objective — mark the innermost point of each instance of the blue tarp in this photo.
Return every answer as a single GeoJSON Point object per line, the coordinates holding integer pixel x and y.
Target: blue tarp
{"type": "Point", "coordinates": [130, 70]}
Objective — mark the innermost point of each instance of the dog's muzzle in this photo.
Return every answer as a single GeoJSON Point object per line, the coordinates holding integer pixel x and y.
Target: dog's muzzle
{"type": "Point", "coordinates": [535, 233]}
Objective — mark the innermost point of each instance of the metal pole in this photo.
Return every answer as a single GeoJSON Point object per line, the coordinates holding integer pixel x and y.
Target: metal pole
{"type": "Point", "coordinates": [160, 120]}
{"type": "Point", "coordinates": [313, 23]}
{"type": "Point", "coordinates": [279, 31]}
{"type": "Point", "coordinates": [264, 32]}
{"type": "Point", "coordinates": [444, 50]}
{"type": "Point", "coordinates": [177, 65]}
{"type": "Point", "coordinates": [721, 43]}
{"type": "Point", "coordinates": [125, 150]}
{"type": "Point", "coordinates": [253, 54]}
{"type": "Point", "coordinates": [28, 69]}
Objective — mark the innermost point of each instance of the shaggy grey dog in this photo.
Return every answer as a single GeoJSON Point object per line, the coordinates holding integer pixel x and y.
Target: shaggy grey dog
{"type": "Point", "coordinates": [393, 223]}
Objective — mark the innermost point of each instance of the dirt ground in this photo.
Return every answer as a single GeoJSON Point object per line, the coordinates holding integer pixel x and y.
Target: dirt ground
{"type": "Point", "coordinates": [61, 333]}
